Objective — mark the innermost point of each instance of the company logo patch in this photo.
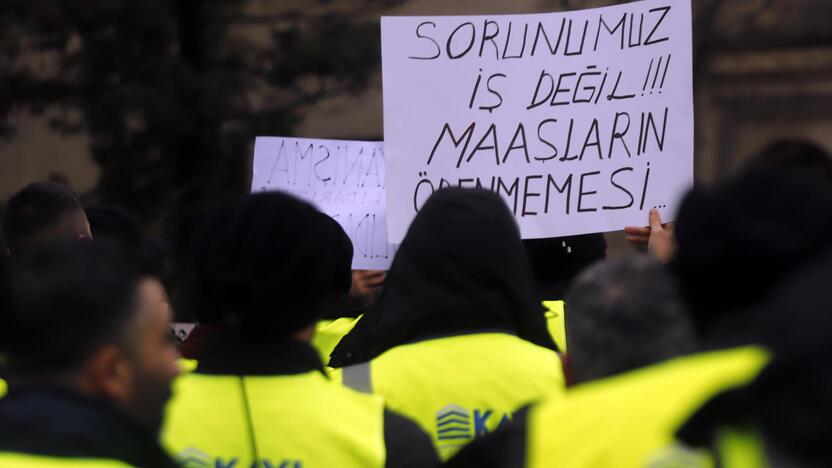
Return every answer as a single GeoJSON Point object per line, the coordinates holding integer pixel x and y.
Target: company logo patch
{"type": "Point", "coordinates": [456, 426]}
{"type": "Point", "coordinates": [453, 423]}
{"type": "Point", "coordinates": [195, 458]}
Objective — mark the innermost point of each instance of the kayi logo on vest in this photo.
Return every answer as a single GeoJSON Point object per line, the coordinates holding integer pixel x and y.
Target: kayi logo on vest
{"type": "Point", "coordinates": [195, 458]}
{"type": "Point", "coordinates": [456, 425]}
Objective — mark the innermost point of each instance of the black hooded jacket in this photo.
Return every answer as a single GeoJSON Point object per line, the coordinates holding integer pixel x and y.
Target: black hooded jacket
{"type": "Point", "coordinates": [461, 268]}
{"type": "Point", "coordinates": [790, 402]}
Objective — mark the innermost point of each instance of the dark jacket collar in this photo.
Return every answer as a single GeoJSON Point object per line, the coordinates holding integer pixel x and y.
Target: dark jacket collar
{"type": "Point", "coordinates": [58, 423]}
{"type": "Point", "coordinates": [223, 356]}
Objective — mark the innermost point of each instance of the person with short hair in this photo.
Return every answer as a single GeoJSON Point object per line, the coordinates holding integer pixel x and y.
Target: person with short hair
{"type": "Point", "coordinates": [626, 314]}
{"type": "Point", "coordinates": [771, 225]}
{"type": "Point", "coordinates": [89, 359]}
{"type": "Point", "coordinates": [42, 213]}
{"type": "Point", "coordinates": [264, 274]}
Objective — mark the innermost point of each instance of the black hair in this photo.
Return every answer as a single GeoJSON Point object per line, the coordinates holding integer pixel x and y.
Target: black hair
{"type": "Point", "coordinates": [262, 266]}
{"type": "Point", "coordinates": [115, 223]}
{"type": "Point", "coordinates": [739, 239]}
{"type": "Point", "coordinates": [793, 156]}
{"type": "Point", "coordinates": [341, 248]}
{"type": "Point", "coordinates": [64, 301]}
{"type": "Point", "coordinates": [624, 314]}
{"type": "Point", "coordinates": [36, 209]}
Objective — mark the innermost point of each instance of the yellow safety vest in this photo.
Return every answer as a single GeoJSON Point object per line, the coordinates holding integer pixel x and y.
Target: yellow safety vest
{"type": "Point", "coordinates": [328, 334]}
{"type": "Point", "coordinates": [25, 460]}
{"type": "Point", "coordinates": [555, 322]}
{"type": "Point", "coordinates": [186, 366]}
{"type": "Point", "coordinates": [294, 421]}
{"type": "Point", "coordinates": [734, 448]}
{"type": "Point", "coordinates": [628, 420]}
{"type": "Point", "coordinates": [4, 388]}
{"type": "Point", "coordinates": [740, 449]}
{"type": "Point", "coordinates": [460, 387]}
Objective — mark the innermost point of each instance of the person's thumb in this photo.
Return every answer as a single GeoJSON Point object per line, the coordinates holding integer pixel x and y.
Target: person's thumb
{"type": "Point", "coordinates": [655, 220]}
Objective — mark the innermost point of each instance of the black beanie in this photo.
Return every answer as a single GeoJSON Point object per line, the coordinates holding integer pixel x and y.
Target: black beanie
{"type": "Point", "coordinates": [738, 239]}
{"type": "Point", "coordinates": [263, 266]}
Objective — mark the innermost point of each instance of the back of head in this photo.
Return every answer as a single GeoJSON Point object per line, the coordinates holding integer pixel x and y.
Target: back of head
{"type": "Point", "coordinates": [340, 249]}
{"type": "Point", "coordinates": [794, 156]}
{"type": "Point", "coordinates": [624, 314]}
{"type": "Point", "coordinates": [557, 261]}
{"type": "Point", "coordinates": [790, 401]}
{"type": "Point", "coordinates": [460, 268]}
{"type": "Point", "coordinates": [116, 224]}
{"type": "Point", "coordinates": [340, 275]}
{"type": "Point", "coordinates": [41, 213]}
{"type": "Point", "coordinates": [63, 302]}
{"type": "Point", "coordinates": [262, 267]}
{"type": "Point", "coordinates": [737, 240]}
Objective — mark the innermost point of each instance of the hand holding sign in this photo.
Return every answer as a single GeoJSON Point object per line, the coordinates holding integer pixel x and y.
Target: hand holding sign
{"type": "Point", "coordinates": [582, 120]}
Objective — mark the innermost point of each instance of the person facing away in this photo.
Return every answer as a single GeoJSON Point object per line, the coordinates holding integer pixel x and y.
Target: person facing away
{"type": "Point", "coordinates": [457, 340]}
{"type": "Point", "coordinates": [263, 273]}
{"type": "Point", "coordinates": [115, 223]}
{"type": "Point", "coordinates": [625, 314]}
{"type": "Point", "coordinates": [784, 417]}
{"type": "Point", "coordinates": [770, 225]}
{"type": "Point", "coordinates": [42, 213]}
{"type": "Point", "coordinates": [90, 361]}
{"type": "Point", "coordinates": [628, 314]}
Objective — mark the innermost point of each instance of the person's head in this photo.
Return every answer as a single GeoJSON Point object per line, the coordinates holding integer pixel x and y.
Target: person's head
{"type": "Point", "coordinates": [340, 276]}
{"type": "Point", "coordinates": [83, 318]}
{"type": "Point", "coordinates": [793, 156]}
{"type": "Point", "coordinates": [341, 250]}
{"type": "Point", "coordinates": [739, 239]}
{"type": "Point", "coordinates": [263, 267]}
{"type": "Point", "coordinates": [624, 314]}
{"type": "Point", "coordinates": [115, 223]}
{"type": "Point", "coordinates": [461, 268]}
{"type": "Point", "coordinates": [42, 213]}
{"type": "Point", "coordinates": [789, 403]}
{"type": "Point", "coordinates": [557, 261]}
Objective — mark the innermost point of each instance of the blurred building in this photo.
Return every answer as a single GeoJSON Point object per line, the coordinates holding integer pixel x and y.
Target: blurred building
{"type": "Point", "coordinates": [763, 70]}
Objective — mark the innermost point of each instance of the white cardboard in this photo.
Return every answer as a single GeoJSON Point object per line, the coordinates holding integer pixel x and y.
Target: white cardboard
{"type": "Point", "coordinates": [344, 179]}
{"type": "Point", "coordinates": [495, 82]}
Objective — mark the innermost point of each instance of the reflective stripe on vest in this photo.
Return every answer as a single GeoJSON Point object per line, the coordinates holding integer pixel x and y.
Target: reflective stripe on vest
{"type": "Point", "coordinates": [292, 421]}
{"type": "Point", "coordinates": [358, 378]}
{"type": "Point", "coordinates": [461, 387]}
{"type": "Point", "coordinates": [627, 420]}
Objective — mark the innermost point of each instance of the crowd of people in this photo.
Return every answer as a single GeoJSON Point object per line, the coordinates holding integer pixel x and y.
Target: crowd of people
{"type": "Point", "coordinates": [706, 347]}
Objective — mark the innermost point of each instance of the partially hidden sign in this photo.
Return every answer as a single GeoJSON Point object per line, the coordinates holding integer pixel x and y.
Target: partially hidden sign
{"type": "Point", "coordinates": [582, 120]}
{"type": "Point", "coordinates": [344, 179]}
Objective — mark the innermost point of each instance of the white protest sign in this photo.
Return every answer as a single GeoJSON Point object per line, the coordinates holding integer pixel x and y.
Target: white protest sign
{"type": "Point", "coordinates": [344, 179]}
{"type": "Point", "coordinates": [581, 120]}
